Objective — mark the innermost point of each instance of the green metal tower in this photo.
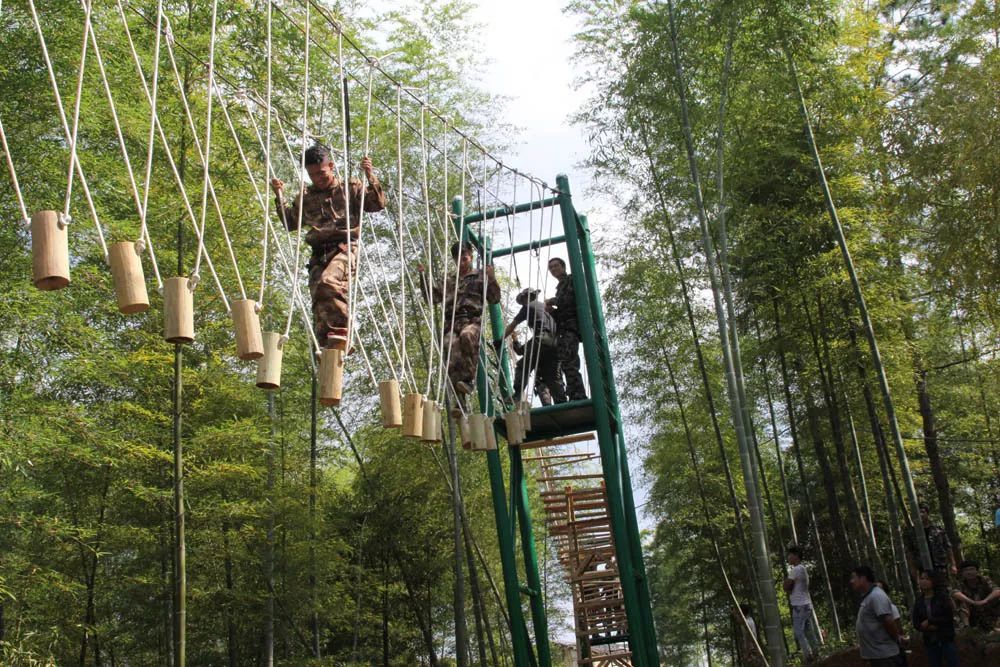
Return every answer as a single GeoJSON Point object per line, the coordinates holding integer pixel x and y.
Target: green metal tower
{"type": "Point", "coordinates": [599, 413]}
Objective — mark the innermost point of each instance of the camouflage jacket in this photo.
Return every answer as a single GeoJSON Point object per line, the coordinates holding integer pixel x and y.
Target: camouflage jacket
{"type": "Point", "coordinates": [564, 305]}
{"type": "Point", "coordinates": [979, 589]}
{"type": "Point", "coordinates": [938, 544]}
{"type": "Point", "coordinates": [469, 302]}
{"type": "Point", "coordinates": [323, 212]}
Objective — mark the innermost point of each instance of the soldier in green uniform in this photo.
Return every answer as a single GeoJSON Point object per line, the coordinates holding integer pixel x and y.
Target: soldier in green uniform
{"type": "Point", "coordinates": [540, 350]}
{"type": "Point", "coordinates": [322, 208]}
{"type": "Point", "coordinates": [563, 309]}
{"type": "Point", "coordinates": [977, 598]}
{"type": "Point", "coordinates": [462, 301]}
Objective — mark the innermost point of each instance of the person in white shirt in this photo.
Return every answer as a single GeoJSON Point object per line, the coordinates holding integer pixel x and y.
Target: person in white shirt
{"type": "Point", "coordinates": [797, 586]}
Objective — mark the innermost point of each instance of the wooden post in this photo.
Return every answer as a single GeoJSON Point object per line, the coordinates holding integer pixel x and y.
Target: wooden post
{"type": "Point", "coordinates": [465, 431]}
{"type": "Point", "coordinates": [130, 282]}
{"type": "Point", "coordinates": [392, 413]}
{"type": "Point", "coordinates": [249, 345]}
{"type": "Point", "coordinates": [432, 422]}
{"type": "Point", "coordinates": [413, 415]}
{"type": "Point", "coordinates": [477, 431]}
{"type": "Point", "coordinates": [513, 422]}
{"type": "Point", "coordinates": [178, 310]}
{"type": "Point", "coordinates": [331, 377]}
{"type": "Point", "coordinates": [269, 365]}
{"type": "Point", "coordinates": [491, 434]}
{"type": "Point", "coordinates": [524, 408]}
{"type": "Point", "coordinates": [49, 251]}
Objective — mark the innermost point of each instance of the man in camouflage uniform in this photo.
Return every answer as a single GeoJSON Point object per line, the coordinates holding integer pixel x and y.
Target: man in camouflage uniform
{"type": "Point", "coordinates": [563, 309]}
{"type": "Point", "coordinates": [463, 312]}
{"type": "Point", "coordinates": [978, 600]}
{"type": "Point", "coordinates": [322, 208]}
{"type": "Point", "coordinates": [541, 349]}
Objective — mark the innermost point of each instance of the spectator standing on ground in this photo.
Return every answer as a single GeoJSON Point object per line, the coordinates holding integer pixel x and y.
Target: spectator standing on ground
{"type": "Point", "coordinates": [796, 584]}
{"type": "Point", "coordinates": [878, 637]}
{"type": "Point", "coordinates": [933, 615]}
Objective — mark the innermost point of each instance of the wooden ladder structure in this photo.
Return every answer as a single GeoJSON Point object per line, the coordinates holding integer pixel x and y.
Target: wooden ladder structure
{"type": "Point", "coordinates": [579, 523]}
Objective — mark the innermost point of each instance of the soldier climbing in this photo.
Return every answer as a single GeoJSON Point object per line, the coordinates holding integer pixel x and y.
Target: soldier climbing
{"type": "Point", "coordinates": [463, 313]}
{"type": "Point", "coordinates": [563, 309]}
{"type": "Point", "coordinates": [321, 207]}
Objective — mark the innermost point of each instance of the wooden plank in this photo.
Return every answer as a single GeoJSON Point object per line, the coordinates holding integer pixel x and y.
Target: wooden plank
{"type": "Point", "coordinates": [562, 440]}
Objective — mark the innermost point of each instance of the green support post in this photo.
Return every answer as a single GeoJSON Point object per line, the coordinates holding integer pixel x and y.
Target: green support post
{"type": "Point", "coordinates": [538, 617]}
{"type": "Point", "coordinates": [520, 641]}
{"type": "Point", "coordinates": [607, 442]}
{"type": "Point", "coordinates": [635, 542]}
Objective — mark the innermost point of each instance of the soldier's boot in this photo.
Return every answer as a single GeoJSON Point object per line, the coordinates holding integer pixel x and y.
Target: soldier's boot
{"type": "Point", "coordinates": [337, 338]}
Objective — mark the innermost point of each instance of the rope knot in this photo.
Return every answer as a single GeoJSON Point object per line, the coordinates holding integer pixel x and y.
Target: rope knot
{"type": "Point", "coordinates": [193, 281]}
{"type": "Point", "coordinates": [64, 220]}
{"type": "Point", "coordinates": [258, 307]}
{"type": "Point", "coordinates": [140, 245]}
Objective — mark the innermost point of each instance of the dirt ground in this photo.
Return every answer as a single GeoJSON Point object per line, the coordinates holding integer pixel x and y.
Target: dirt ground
{"type": "Point", "coordinates": [975, 650]}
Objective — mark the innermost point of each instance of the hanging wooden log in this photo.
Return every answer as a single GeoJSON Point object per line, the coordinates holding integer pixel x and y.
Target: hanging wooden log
{"type": "Point", "coordinates": [130, 282]}
{"type": "Point", "coordinates": [269, 365]}
{"type": "Point", "coordinates": [331, 377]}
{"type": "Point", "coordinates": [432, 422]}
{"type": "Point", "coordinates": [249, 344]}
{"type": "Point", "coordinates": [524, 408]}
{"type": "Point", "coordinates": [477, 431]}
{"type": "Point", "coordinates": [49, 251]}
{"type": "Point", "coordinates": [491, 434]}
{"type": "Point", "coordinates": [465, 431]}
{"type": "Point", "coordinates": [512, 420]}
{"type": "Point", "coordinates": [392, 412]}
{"type": "Point", "coordinates": [178, 310]}
{"type": "Point", "coordinates": [413, 415]}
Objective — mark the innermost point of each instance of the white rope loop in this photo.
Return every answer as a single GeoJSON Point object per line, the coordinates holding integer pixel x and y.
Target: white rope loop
{"type": "Point", "coordinates": [302, 168]}
{"type": "Point", "coordinates": [207, 147]}
{"type": "Point", "coordinates": [144, 239]}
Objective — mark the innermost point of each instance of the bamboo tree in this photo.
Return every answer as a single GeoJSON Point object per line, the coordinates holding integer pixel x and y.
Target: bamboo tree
{"type": "Point", "coordinates": [797, 451]}
{"type": "Point", "coordinates": [876, 357]}
{"type": "Point", "coordinates": [771, 617]}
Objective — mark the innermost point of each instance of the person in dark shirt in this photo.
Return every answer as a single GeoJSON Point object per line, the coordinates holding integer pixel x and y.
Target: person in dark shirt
{"type": "Point", "coordinates": [942, 556]}
{"type": "Point", "coordinates": [934, 616]}
{"type": "Point", "coordinates": [563, 308]}
{"type": "Point", "coordinates": [540, 349]}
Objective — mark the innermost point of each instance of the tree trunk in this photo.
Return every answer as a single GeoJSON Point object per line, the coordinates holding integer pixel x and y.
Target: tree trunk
{"type": "Point", "coordinates": [946, 506]}
{"type": "Point", "coordinates": [797, 452]}
{"type": "Point", "coordinates": [232, 649]}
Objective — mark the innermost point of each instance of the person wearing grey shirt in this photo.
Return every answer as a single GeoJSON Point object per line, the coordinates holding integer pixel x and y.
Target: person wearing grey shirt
{"type": "Point", "coordinates": [878, 636]}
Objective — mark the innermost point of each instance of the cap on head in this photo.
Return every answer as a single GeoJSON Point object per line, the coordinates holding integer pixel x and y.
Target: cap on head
{"type": "Point", "coordinates": [317, 154]}
{"type": "Point", "coordinates": [526, 295]}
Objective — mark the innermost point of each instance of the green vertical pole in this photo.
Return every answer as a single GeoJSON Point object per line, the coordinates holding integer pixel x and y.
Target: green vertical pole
{"type": "Point", "coordinates": [635, 542]}
{"type": "Point", "coordinates": [519, 487]}
{"type": "Point", "coordinates": [605, 438]}
{"type": "Point", "coordinates": [520, 642]}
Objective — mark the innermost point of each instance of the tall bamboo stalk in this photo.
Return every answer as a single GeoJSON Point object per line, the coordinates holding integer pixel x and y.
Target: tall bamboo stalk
{"type": "Point", "coordinates": [859, 297]}
{"type": "Point", "coordinates": [770, 615]}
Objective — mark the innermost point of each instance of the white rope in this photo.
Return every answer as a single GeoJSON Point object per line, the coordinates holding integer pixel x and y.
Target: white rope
{"type": "Point", "coordinates": [345, 184]}
{"type": "Point", "coordinates": [461, 236]}
{"type": "Point", "coordinates": [302, 167]}
{"type": "Point", "coordinates": [144, 239]}
{"type": "Point", "coordinates": [399, 176]}
{"type": "Point", "coordinates": [352, 293]}
{"type": "Point", "coordinates": [133, 187]}
{"type": "Point", "coordinates": [26, 219]}
{"type": "Point", "coordinates": [166, 145]}
{"type": "Point", "coordinates": [207, 152]}
{"type": "Point", "coordinates": [267, 160]}
{"type": "Point", "coordinates": [444, 272]}
{"type": "Point", "coordinates": [427, 247]}
{"type": "Point", "coordinates": [70, 136]}
{"type": "Point", "coordinates": [87, 27]}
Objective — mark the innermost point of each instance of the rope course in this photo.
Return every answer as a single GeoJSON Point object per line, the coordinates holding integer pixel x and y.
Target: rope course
{"type": "Point", "coordinates": [405, 286]}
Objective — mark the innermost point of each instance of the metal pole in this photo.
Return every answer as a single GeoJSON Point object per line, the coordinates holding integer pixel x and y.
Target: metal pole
{"type": "Point", "coordinates": [606, 440]}
{"type": "Point", "coordinates": [635, 542]}
{"type": "Point", "coordinates": [538, 618]}
{"type": "Point", "coordinates": [520, 642]}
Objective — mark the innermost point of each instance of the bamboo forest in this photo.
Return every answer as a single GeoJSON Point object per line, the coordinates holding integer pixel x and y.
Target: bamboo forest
{"type": "Point", "coordinates": [466, 333]}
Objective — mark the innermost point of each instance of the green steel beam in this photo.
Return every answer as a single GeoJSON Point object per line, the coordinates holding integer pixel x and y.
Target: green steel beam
{"type": "Point", "coordinates": [520, 642]}
{"type": "Point", "coordinates": [534, 582]}
{"type": "Point", "coordinates": [510, 210]}
{"type": "Point", "coordinates": [531, 245]}
{"type": "Point", "coordinates": [635, 542]}
{"type": "Point", "coordinates": [606, 440]}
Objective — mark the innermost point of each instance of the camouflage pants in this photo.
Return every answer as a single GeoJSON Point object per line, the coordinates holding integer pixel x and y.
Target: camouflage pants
{"type": "Point", "coordinates": [329, 285]}
{"type": "Point", "coordinates": [461, 341]}
{"type": "Point", "coordinates": [569, 359]}
{"type": "Point", "coordinates": [548, 384]}
{"type": "Point", "coordinates": [986, 618]}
